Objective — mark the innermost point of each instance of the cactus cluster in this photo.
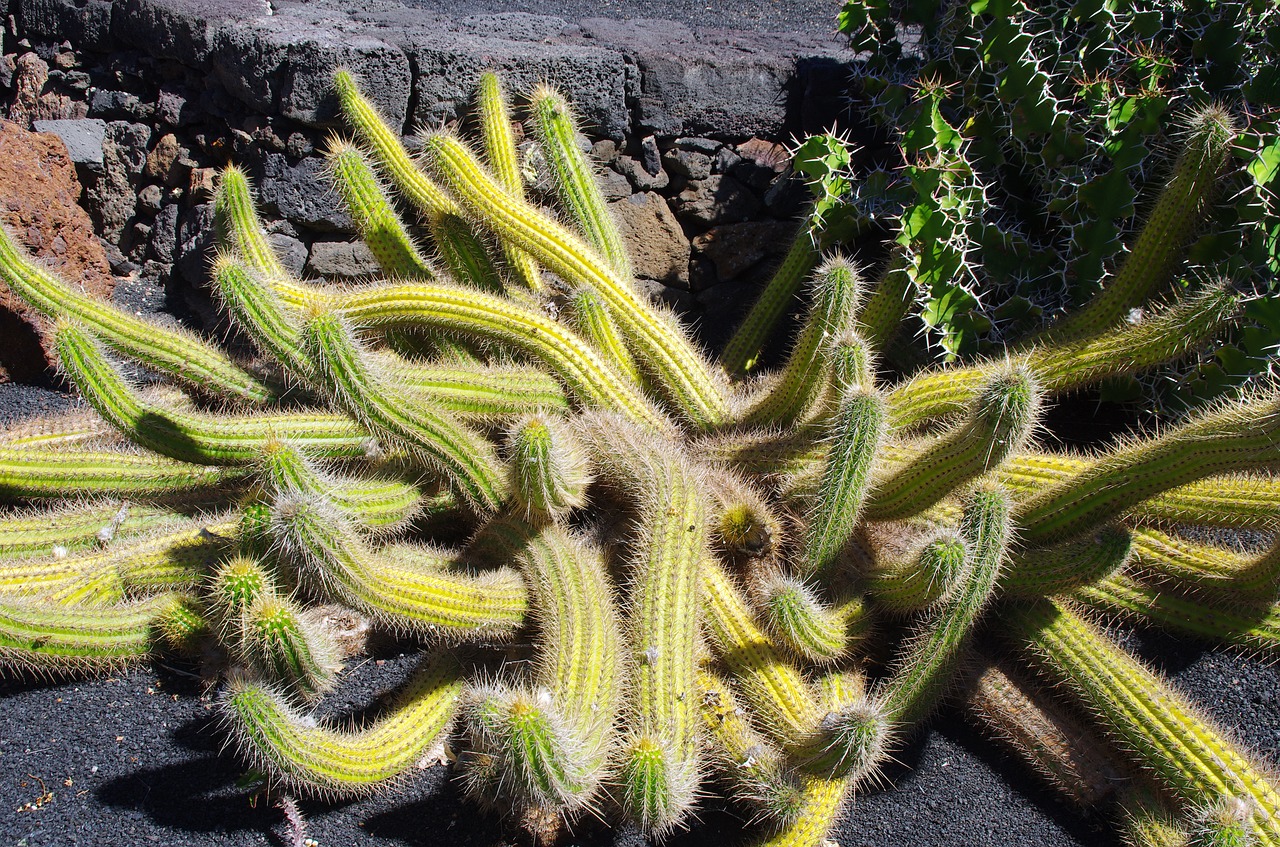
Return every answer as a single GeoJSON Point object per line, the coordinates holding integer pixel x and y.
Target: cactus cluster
{"type": "Point", "coordinates": [1025, 144]}
{"type": "Point", "coordinates": [709, 566]}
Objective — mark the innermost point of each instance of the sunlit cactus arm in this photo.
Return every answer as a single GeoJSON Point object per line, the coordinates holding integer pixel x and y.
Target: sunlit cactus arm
{"type": "Point", "coordinates": [1244, 500]}
{"type": "Point", "coordinates": [836, 289]}
{"type": "Point", "coordinates": [69, 429]}
{"type": "Point", "coordinates": [197, 437]}
{"type": "Point", "coordinates": [166, 559]}
{"type": "Point", "coordinates": [575, 182]}
{"type": "Point", "coordinates": [283, 644]}
{"type": "Point", "coordinates": [475, 391]}
{"type": "Point", "coordinates": [408, 587]}
{"type": "Point", "coordinates": [1000, 421]}
{"type": "Point", "coordinates": [239, 227]}
{"type": "Point", "coordinates": [589, 314]}
{"type": "Point", "coordinates": [318, 760]}
{"type": "Point", "coordinates": [1235, 438]}
{"type": "Point", "coordinates": [820, 632]}
{"type": "Point", "coordinates": [1218, 571]}
{"type": "Point", "coordinates": [47, 474]}
{"type": "Point", "coordinates": [257, 308]}
{"type": "Point", "coordinates": [484, 316]}
{"type": "Point", "coordinates": [742, 354]}
{"type": "Point", "coordinates": [921, 577]}
{"type": "Point", "coordinates": [180, 354]}
{"type": "Point", "coordinates": [462, 455]}
{"type": "Point", "coordinates": [71, 527]}
{"type": "Point", "coordinates": [60, 638]}
{"type": "Point", "coordinates": [1254, 626]}
{"type": "Point", "coordinates": [1062, 567]}
{"type": "Point", "coordinates": [754, 768]}
{"type": "Point", "coordinates": [853, 438]}
{"type": "Point", "coordinates": [500, 152]}
{"type": "Point", "coordinates": [1160, 244]}
{"type": "Point", "coordinates": [463, 254]}
{"type": "Point", "coordinates": [1059, 367]}
{"type": "Point", "coordinates": [850, 741]}
{"type": "Point", "coordinates": [549, 470]}
{"type": "Point", "coordinates": [659, 774]}
{"type": "Point", "coordinates": [376, 220]}
{"type": "Point", "coordinates": [780, 698]}
{"type": "Point", "coordinates": [659, 345]}
{"type": "Point", "coordinates": [888, 301]}
{"type": "Point", "coordinates": [1155, 725]}
{"type": "Point", "coordinates": [1052, 740]}
{"type": "Point", "coordinates": [923, 673]}
{"type": "Point", "coordinates": [1147, 821]}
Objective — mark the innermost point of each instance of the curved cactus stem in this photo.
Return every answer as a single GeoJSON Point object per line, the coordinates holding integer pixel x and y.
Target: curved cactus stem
{"type": "Point", "coordinates": [1154, 724]}
{"type": "Point", "coordinates": [463, 456]}
{"type": "Point", "coordinates": [376, 220]}
{"type": "Point", "coordinates": [921, 676]}
{"type": "Point", "coordinates": [500, 151]}
{"type": "Point", "coordinates": [1235, 438]}
{"type": "Point", "coordinates": [1000, 421]}
{"type": "Point", "coordinates": [921, 578]}
{"type": "Point", "coordinates": [49, 639]}
{"type": "Point", "coordinates": [75, 526]}
{"type": "Point", "coordinates": [549, 470]}
{"type": "Point", "coordinates": [284, 645]}
{"type": "Point", "coordinates": [318, 760]}
{"type": "Point", "coordinates": [238, 224]}
{"type": "Point", "coordinates": [677, 367]}
{"type": "Point", "coordinates": [1151, 261]}
{"type": "Point", "coordinates": [1130, 348]}
{"type": "Point", "coordinates": [476, 391]}
{"type": "Point", "coordinates": [1062, 567]}
{"type": "Point", "coordinates": [882, 313]}
{"type": "Point", "coordinates": [574, 180]}
{"type": "Point", "coordinates": [410, 588]}
{"type": "Point", "coordinates": [590, 316]}
{"type": "Point", "coordinates": [742, 354]}
{"type": "Point", "coordinates": [1254, 626]}
{"type": "Point", "coordinates": [32, 473]}
{"type": "Point", "coordinates": [811, 628]}
{"type": "Point", "coordinates": [179, 354]}
{"type": "Point", "coordinates": [1216, 571]}
{"type": "Point", "coordinates": [852, 738]}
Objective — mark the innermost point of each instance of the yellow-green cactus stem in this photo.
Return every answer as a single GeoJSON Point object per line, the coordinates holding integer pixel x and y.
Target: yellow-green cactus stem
{"type": "Point", "coordinates": [1150, 263]}
{"type": "Point", "coordinates": [922, 674]}
{"type": "Point", "coordinates": [319, 760]}
{"type": "Point", "coordinates": [746, 529]}
{"type": "Point", "coordinates": [659, 771]}
{"type": "Point", "coordinates": [179, 354]}
{"type": "Point", "coordinates": [239, 226]}
{"type": "Point", "coordinates": [479, 392]}
{"type": "Point", "coordinates": [781, 700]}
{"type": "Point", "coordinates": [1001, 419]}
{"type": "Point", "coordinates": [166, 559]}
{"type": "Point", "coordinates": [1224, 823]}
{"type": "Point", "coordinates": [1146, 821]}
{"type": "Point", "coordinates": [196, 437]}
{"type": "Point", "coordinates": [408, 587]}
{"type": "Point", "coordinates": [1062, 567]}
{"type": "Point", "coordinates": [574, 179]}
{"type": "Point", "coordinates": [852, 738]}
{"type": "Point", "coordinates": [1255, 626]}
{"type": "Point", "coordinates": [742, 354]}
{"type": "Point", "coordinates": [835, 292]}
{"type": "Point", "coordinates": [549, 470]}
{"type": "Point", "coordinates": [47, 639]}
{"type": "Point", "coordinates": [1154, 724]}
{"type": "Point", "coordinates": [1130, 348]}
{"type": "Point", "coordinates": [486, 317]}
{"type": "Point", "coordinates": [282, 644]}
{"type": "Point", "coordinates": [678, 368]}
{"type": "Point", "coordinates": [376, 220]}
{"type": "Point", "coordinates": [73, 527]}
{"type": "Point", "coordinates": [920, 578]}
{"type": "Point", "coordinates": [500, 152]}
{"type": "Point", "coordinates": [462, 455]}
{"type": "Point", "coordinates": [236, 584]}
{"type": "Point", "coordinates": [853, 436]}
{"type": "Point", "coordinates": [1215, 570]}
{"type": "Point", "coordinates": [590, 316]}
{"type": "Point", "coordinates": [1050, 739]}
{"type": "Point", "coordinates": [1233, 438]}
{"type": "Point", "coordinates": [183, 627]}
{"type": "Point", "coordinates": [818, 631]}
{"type": "Point", "coordinates": [882, 313]}
{"type": "Point", "coordinates": [754, 769]}
{"type": "Point", "coordinates": [463, 254]}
